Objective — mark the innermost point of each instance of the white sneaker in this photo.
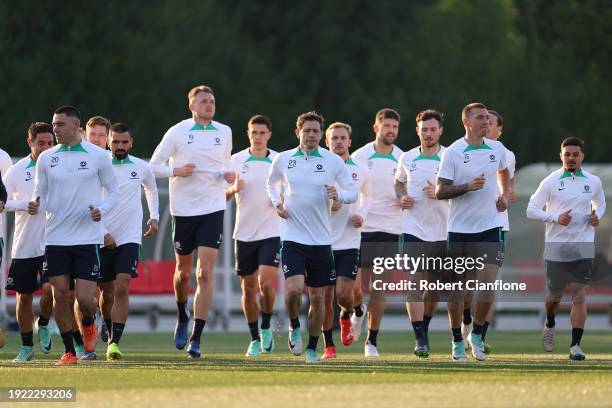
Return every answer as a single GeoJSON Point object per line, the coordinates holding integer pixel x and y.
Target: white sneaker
{"type": "Point", "coordinates": [548, 339]}
{"type": "Point", "coordinates": [466, 329]}
{"type": "Point", "coordinates": [357, 322]}
{"type": "Point", "coordinates": [576, 353]}
{"type": "Point", "coordinates": [371, 351]}
{"type": "Point", "coordinates": [477, 346]}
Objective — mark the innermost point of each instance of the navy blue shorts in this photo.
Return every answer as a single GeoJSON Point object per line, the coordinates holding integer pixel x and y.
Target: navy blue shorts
{"type": "Point", "coordinates": [347, 263]}
{"type": "Point", "coordinates": [251, 254]}
{"type": "Point", "coordinates": [122, 259]}
{"type": "Point", "coordinates": [560, 274]}
{"type": "Point", "coordinates": [433, 252]}
{"type": "Point", "coordinates": [315, 262]}
{"type": "Point", "coordinates": [378, 244]}
{"type": "Point", "coordinates": [76, 261]}
{"type": "Point", "coordinates": [23, 275]}
{"type": "Point", "coordinates": [488, 245]}
{"type": "Point", "coordinates": [189, 233]}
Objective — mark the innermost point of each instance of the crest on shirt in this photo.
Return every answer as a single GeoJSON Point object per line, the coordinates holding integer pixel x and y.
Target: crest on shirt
{"type": "Point", "coordinates": [491, 157]}
{"type": "Point", "coordinates": [217, 141]}
{"type": "Point", "coordinates": [587, 188]}
{"type": "Point", "coordinates": [355, 176]}
{"type": "Point", "coordinates": [320, 169]}
{"type": "Point", "coordinates": [133, 175]}
{"type": "Point", "coordinates": [83, 165]}
{"type": "Point", "coordinates": [292, 164]}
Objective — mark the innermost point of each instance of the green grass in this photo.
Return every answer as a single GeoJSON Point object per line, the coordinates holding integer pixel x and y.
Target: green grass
{"type": "Point", "coordinates": [154, 374]}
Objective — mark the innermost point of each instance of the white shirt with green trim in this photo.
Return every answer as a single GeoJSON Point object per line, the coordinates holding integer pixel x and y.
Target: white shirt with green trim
{"type": "Point", "coordinates": [29, 234]}
{"type": "Point", "coordinates": [303, 178]}
{"type": "Point", "coordinates": [5, 163]}
{"type": "Point", "coordinates": [256, 218]}
{"type": "Point", "coordinates": [384, 214]}
{"type": "Point", "coordinates": [582, 192]}
{"type": "Point", "coordinates": [427, 218]}
{"type": "Point", "coordinates": [474, 211]}
{"type": "Point", "coordinates": [511, 162]}
{"type": "Point", "coordinates": [209, 148]}
{"type": "Point", "coordinates": [344, 234]}
{"type": "Point", "coordinates": [124, 221]}
{"type": "Point", "coordinates": [68, 181]}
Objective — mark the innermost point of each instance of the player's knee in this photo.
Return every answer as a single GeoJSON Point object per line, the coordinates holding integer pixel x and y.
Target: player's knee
{"type": "Point", "coordinates": [204, 276]}
{"type": "Point", "coordinates": [121, 290]}
{"type": "Point", "coordinates": [294, 292]}
{"type": "Point", "coordinates": [344, 299]}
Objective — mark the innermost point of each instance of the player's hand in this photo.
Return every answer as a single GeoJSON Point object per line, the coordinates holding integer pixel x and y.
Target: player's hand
{"type": "Point", "coordinates": [430, 190]}
{"type": "Point", "coordinates": [593, 219]}
{"type": "Point", "coordinates": [282, 211]}
{"type": "Point", "coordinates": [109, 242]}
{"type": "Point", "coordinates": [477, 183]}
{"type": "Point", "coordinates": [95, 213]}
{"type": "Point", "coordinates": [501, 203]}
{"type": "Point", "coordinates": [153, 228]}
{"type": "Point", "coordinates": [336, 205]}
{"type": "Point", "coordinates": [357, 221]}
{"type": "Point", "coordinates": [184, 171]}
{"type": "Point", "coordinates": [33, 206]}
{"type": "Point", "coordinates": [230, 177]}
{"type": "Point", "coordinates": [332, 194]}
{"type": "Point", "coordinates": [239, 184]}
{"type": "Point", "coordinates": [511, 196]}
{"type": "Point", "coordinates": [565, 218]}
{"type": "Point", "coordinates": [1, 206]}
{"type": "Point", "coordinates": [406, 202]}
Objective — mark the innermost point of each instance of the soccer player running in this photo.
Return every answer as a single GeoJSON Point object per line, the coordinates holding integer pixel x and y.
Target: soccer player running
{"type": "Point", "coordinates": [194, 154]}
{"type": "Point", "coordinates": [346, 235]}
{"type": "Point", "coordinates": [68, 186]}
{"type": "Point", "coordinates": [256, 233]}
{"type": "Point", "coordinates": [29, 245]}
{"type": "Point", "coordinates": [381, 230]}
{"type": "Point", "coordinates": [308, 174]}
{"type": "Point", "coordinates": [123, 225]}
{"type": "Point", "coordinates": [571, 201]}
{"type": "Point", "coordinates": [496, 125]}
{"type": "Point", "coordinates": [424, 219]}
{"type": "Point", "coordinates": [468, 176]}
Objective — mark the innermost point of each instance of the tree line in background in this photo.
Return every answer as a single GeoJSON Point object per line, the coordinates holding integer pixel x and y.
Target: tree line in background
{"type": "Point", "coordinates": [543, 64]}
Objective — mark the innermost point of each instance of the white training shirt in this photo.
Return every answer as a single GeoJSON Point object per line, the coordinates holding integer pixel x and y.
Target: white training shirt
{"type": "Point", "coordinates": [581, 192]}
{"type": "Point", "coordinates": [29, 234]}
{"type": "Point", "coordinates": [384, 214]}
{"type": "Point", "coordinates": [209, 149]}
{"type": "Point", "coordinates": [5, 164]}
{"type": "Point", "coordinates": [124, 221]}
{"type": "Point", "coordinates": [344, 234]}
{"type": "Point", "coordinates": [68, 181]}
{"type": "Point", "coordinates": [511, 162]}
{"type": "Point", "coordinates": [304, 177]}
{"type": "Point", "coordinates": [256, 218]}
{"type": "Point", "coordinates": [474, 211]}
{"type": "Point", "coordinates": [427, 218]}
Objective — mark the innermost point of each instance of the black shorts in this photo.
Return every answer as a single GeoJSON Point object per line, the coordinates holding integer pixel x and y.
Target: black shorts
{"type": "Point", "coordinates": [376, 245]}
{"type": "Point", "coordinates": [559, 274]}
{"type": "Point", "coordinates": [251, 254]}
{"type": "Point", "coordinates": [346, 262]}
{"type": "Point", "coordinates": [122, 259]}
{"type": "Point", "coordinates": [488, 245]}
{"type": "Point", "coordinates": [189, 233]}
{"type": "Point", "coordinates": [24, 274]}
{"type": "Point", "coordinates": [315, 262]}
{"type": "Point", "coordinates": [76, 261]}
{"type": "Point", "coordinates": [431, 252]}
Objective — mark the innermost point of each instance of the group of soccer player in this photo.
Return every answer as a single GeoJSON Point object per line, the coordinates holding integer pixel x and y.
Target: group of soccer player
{"type": "Point", "coordinates": [322, 215]}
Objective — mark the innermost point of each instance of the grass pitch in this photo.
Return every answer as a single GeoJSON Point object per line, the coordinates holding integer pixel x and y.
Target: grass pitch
{"type": "Point", "coordinates": [154, 374]}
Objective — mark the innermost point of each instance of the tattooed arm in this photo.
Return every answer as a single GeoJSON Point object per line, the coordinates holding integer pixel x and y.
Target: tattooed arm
{"type": "Point", "coordinates": [446, 190]}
